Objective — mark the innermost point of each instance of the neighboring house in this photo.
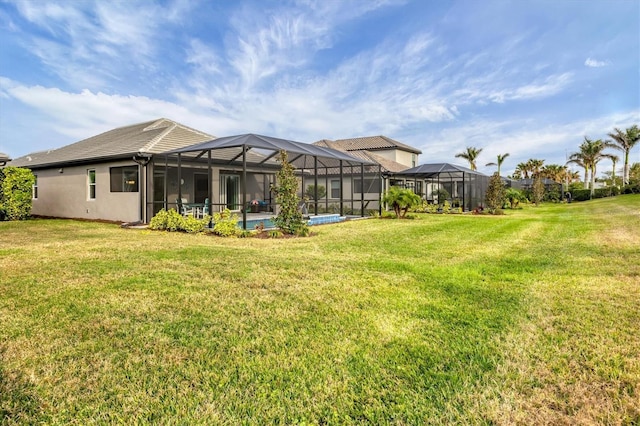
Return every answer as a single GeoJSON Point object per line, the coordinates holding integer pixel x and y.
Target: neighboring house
{"type": "Point", "coordinates": [390, 155]}
{"type": "Point", "coordinates": [109, 176]}
{"type": "Point", "coordinates": [4, 159]}
{"type": "Point", "coordinates": [394, 156]}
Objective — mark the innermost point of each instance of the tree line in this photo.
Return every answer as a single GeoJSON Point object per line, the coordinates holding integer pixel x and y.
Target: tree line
{"type": "Point", "coordinates": [589, 154]}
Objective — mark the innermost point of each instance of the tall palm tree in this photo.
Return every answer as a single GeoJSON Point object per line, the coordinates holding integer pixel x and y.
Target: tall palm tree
{"type": "Point", "coordinates": [591, 152]}
{"type": "Point", "coordinates": [579, 159]}
{"type": "Point", "coordinates": [624, 141]}
{"type": "Point", "coordinates": [614, 160]}
{"type": "Point", "coordinates": [471, 154]}
{"type": "Point", "coordinates": [499, 162]}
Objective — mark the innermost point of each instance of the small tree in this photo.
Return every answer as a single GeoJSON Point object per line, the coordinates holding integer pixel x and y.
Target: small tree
{"type": "Point", "coordinates": [495, 193]}
{"type": "Point", "coordinates": [401, 200]}
{"type": "Point", "coordinates": [16, 190]}
{"type": "Point", "coordinates": [514, 197]}
{"type": "Point", "coordinates": [289, 219]}
{"type": "Point", "coordinates": [537, 191]}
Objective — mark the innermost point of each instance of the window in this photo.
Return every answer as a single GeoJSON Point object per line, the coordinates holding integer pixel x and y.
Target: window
{"type": "Point", "coordinates": [413, 160]}
{"type": "Point", "coordinates": [91, 184]}
{"type": "Point", "coordinates": [124, 179]}
{"type": "Point", "coordinates": [335, 189]}
{"type": "Point", "coordinates": [370, 186]}
{"type": "Point", "coordinates": [34, 188]}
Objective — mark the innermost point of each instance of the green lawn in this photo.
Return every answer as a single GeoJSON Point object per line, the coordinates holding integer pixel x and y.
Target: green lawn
{"type": "Point", "coordinates": [532, 317]}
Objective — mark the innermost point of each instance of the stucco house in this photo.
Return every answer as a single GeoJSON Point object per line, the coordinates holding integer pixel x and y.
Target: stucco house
{"type": "Point", "coordinates": [128, 174]}
{"type": "Point", "coordinates": [4, 159]}
{"type": "Point", "coordinates": [109, 176]}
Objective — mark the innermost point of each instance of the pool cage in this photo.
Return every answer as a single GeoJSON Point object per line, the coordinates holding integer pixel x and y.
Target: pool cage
{"type": "Point", "coordinates": [237, 173]}
{"type": "Point", "coordinates": [435, 183]}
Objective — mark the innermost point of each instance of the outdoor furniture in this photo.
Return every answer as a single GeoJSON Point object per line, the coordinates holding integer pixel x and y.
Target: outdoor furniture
{"type": "Point", "coordinates": [201, 210]}
{"type": "Point", "coordinates": [184, 208]}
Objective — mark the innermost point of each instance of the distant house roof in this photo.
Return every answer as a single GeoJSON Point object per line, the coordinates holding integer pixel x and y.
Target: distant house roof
{"type": "Point", "coordinates": [364, 154]}
{"type": "Point", "coordinates": [4, 159]}
{"type": "Point", "coordinates": [369, 143]}
{"type": "Point", "coordinates": [151, 137]}
{"type": "Point", "coordinates": [434, 169]}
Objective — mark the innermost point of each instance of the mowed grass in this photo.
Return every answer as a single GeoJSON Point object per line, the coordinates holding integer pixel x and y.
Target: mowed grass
{"type": "Point", "coordinates": [528, 318]}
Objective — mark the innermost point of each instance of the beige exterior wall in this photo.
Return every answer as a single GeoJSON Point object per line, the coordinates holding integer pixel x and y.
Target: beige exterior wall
{"type": "Point", "coordinates": [399, 156]}
{"type": "Point", "coordinates": [63, 192]}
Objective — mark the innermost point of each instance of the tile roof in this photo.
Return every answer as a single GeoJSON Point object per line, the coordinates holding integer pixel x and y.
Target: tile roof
{"type": "Point", "coordinates": [151, 137]}
{"type": "Point", "coordinates": [387, 165]}
{"type": "Point", "coordinates": [370, 143]}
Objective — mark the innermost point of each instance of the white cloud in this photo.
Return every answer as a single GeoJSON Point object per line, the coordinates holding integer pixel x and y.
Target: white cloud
{"type": "Point", "coordinates": [593, 63]}
{"type": "Point", "coordinates": [521, 138]}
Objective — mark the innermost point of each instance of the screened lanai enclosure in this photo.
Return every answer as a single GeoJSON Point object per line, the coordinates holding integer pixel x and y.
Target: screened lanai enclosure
{"type": "Point", "coordinates": [237, 173]}
{"type": "Point", "coordinates": [438, 182]}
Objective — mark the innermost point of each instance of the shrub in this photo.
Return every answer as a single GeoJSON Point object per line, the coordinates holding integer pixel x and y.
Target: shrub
{"type": "Point", "coordinates": [193, 225]}
{"type": "Point", "coordinates": [446, 207]}
{"type": "Point", "coordinates": [401, 200]}
{"type": "Point", "coordinates": [16, 193]}
{"type": "Point", "coordinates": [514, 197]}
{"type": "Point", "coordinates": [553, 195]}
{"type": "Point", "coordinates": [159, 221]}
{"type": "Point", "coordinates": [225, 224]}
{"type": "Point", "coordinates": [580, 194]}
{"type": "Point", "coordinates": [173, 221]}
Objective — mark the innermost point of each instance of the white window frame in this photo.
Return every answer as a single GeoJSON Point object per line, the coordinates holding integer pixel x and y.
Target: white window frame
{"type": "Point", "coordinates": [91, 185]}
{"type": "Point", "coordinates": [34, 188]}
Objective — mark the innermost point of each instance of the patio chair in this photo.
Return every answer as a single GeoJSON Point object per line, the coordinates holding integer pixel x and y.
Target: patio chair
{"type": "Point", "coordinates": [183, 208]}
{"type": "Point", "coordinates": [205, 208]}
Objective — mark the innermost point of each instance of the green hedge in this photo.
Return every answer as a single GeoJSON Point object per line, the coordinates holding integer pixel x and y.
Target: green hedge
{"type": "Point", "coordinates": [16, 186]}
{"type": "Point", "coordinates": [585, 194]}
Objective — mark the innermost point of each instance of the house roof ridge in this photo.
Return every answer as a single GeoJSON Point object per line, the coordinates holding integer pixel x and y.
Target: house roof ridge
{"type": "Point", "coordinates": [173, 125]}
{"type": "Point", "coordinates": [149, 145]}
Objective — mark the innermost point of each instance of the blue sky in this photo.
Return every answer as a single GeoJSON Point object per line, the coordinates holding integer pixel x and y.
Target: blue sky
{"type": "Point", "coordinates": [530, 78]}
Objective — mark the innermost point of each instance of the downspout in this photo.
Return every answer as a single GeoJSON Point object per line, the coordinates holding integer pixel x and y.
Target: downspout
{"type": "Point", "coordinates": [142, 159]}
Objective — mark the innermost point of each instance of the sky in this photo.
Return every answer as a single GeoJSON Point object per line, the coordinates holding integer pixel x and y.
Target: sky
{"type": "Point", "coordinates": [530, 78]}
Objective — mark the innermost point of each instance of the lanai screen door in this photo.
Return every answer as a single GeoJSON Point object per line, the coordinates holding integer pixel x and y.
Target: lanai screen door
{"type": "Point", "coordinates": [230, 191]}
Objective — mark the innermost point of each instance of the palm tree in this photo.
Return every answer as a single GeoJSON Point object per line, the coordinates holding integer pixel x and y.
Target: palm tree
{"type": "Point", "coordinates": [500, 161]}
{"type": "Point", "coordinates": [591, 152]}
{"type": "Point", "coordinates": [555, 172]}
{"type": "Point", "coordinates": [534, 166]}
{"type": "Point", "coordinates": [470, 155]}
{"type": "Point", "coordinates": [579, 159]}
{"type": "Point", "coordinates": [614, 160]}
{"type": "Point", "coordinates": [624, 141]}
{"type": "Point", "coordinates": [522, 169]}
